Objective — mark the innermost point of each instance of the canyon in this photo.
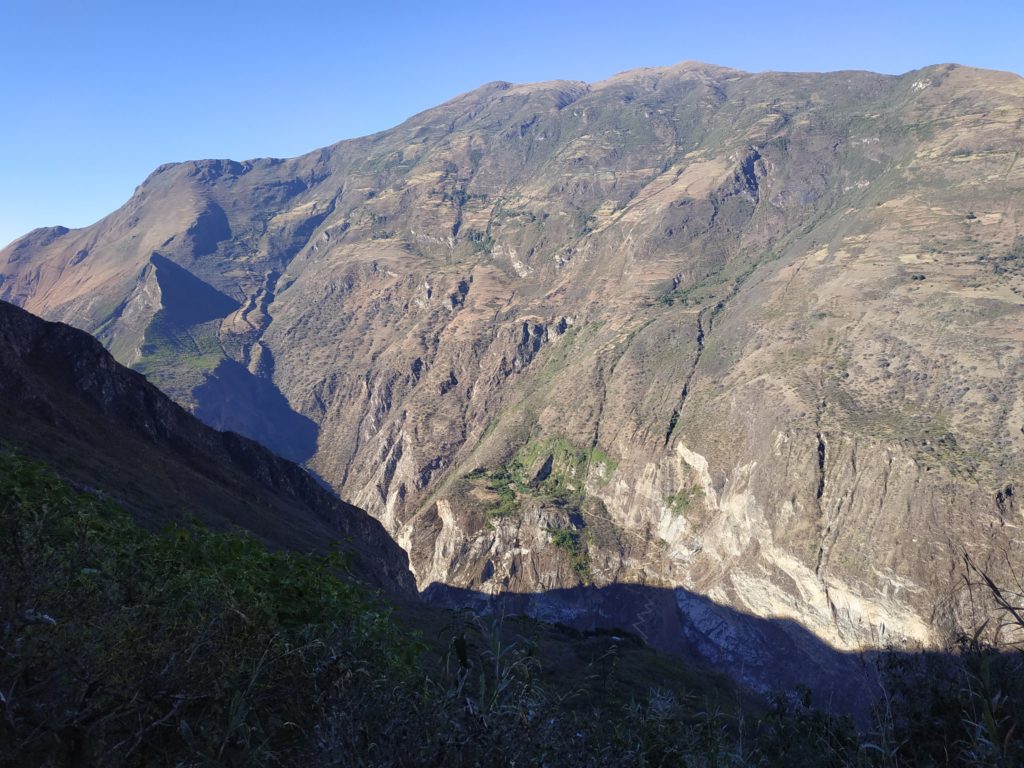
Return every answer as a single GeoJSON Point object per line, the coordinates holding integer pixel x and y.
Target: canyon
{"type": "Point", "coordinates": [752, 341]}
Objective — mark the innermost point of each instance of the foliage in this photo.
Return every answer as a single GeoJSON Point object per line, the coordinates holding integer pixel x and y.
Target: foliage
{"type": "Point", "coordinates": [481, 242]}
{"type": "Point", "coordinates": [794, 732]}
{"type": "Point", "coordinates": [569, 541]}
{"type": "Point", "coordinates": [503, 483]}
{"type": "Point", "coordinates": [1011, 262]}
{"type": "Point", "coordinates": [492, 677]}
{"type": "Point", "coordinates": [121, 646]}
{"type": "Point", "coordinates": [679, 502]}
{"type": "Point", "coordinates": [551, 468]}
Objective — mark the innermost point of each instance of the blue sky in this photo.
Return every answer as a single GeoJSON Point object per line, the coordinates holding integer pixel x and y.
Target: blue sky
{"type": "Point", "coordinates": [94, 94]}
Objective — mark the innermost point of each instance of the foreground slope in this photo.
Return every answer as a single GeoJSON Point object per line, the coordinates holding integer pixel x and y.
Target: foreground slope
{"type": "Point", "coordinates": [64, 398]}
{"type": "Point", "coordinates": [754, 336]}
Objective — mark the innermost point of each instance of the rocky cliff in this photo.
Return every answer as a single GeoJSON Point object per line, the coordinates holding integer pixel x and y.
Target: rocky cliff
{"type": "Point", "coordinates": [757, 336]}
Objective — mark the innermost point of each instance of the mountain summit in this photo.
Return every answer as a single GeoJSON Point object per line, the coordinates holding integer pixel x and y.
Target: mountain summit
{"type": "Point", "coordinates": [758, 336]}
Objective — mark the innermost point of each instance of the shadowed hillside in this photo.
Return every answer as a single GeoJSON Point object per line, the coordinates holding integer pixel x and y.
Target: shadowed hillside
{"type": "Point", "coordinates": [64, 398]}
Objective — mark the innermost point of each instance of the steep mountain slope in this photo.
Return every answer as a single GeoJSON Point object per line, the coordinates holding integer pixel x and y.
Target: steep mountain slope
{"type": "Point", "coordinates": [64, 398]}
{"type": "Point", "coordinates": [755, 336]}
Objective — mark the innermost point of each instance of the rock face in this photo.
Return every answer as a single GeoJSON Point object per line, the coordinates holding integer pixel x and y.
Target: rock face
{"type": "Point", "coordinates": [755, 336]}
{"type": "Point", "coordinates": [64, 398]}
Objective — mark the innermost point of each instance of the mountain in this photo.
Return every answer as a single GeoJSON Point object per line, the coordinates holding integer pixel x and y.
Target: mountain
{"type": "Point", "coordinates": [755, 337]}
{"type": "Point", "coordinates": [64, 398]}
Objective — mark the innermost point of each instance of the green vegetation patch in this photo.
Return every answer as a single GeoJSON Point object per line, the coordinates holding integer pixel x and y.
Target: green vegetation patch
{"type": "Point", "coordinates": [480, 242]}
{"type": "Point", "coordinates": [1009, 263]}
{"type": "Point", "coordinates": [169, 350]}
{"type": "Point", "coordinates": [570, 542]}
{"type": "Point", "coordinates": [125, 647]}
{"type": "Point", "coordinates": [122, 646]}
{"type": "Point", "coordinates": [679, 503]}
{"type": "Point", "coordinates": [503, 484]}
{"type": "Point", "coordinates": [548, 468]}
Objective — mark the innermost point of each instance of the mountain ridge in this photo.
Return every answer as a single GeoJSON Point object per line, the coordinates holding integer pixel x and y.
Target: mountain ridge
{"type": "Point", "coordinates": [505, 85]}
{"type": "Point", "coordinates": [739, 333]}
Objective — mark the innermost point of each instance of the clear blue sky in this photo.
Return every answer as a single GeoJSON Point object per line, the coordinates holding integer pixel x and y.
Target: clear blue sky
{"type": "Point", "coordinates": [96, 93]}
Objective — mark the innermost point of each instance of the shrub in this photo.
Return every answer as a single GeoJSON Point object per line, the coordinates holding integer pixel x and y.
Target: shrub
{"type": "Point", "coordinates": [123, 646]}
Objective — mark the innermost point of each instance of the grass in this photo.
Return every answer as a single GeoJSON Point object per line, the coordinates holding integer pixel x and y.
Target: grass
{"type": "Point", "coordinates": [680, 502]}
{"type": "Point", "coordinates": [571, 467]}
{"type": "Point", "coordinates": [167, 348]}
{"type": "Point", "coordinates": [570, 542]}
{"type": "Point", "coordinates": [481, 242]}
{"type": "Point", "coordinates": [179, 647]}
{"type": "Point", "coordinates": [928, 432]}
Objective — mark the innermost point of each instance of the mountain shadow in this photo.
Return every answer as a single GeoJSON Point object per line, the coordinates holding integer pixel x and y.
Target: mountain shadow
{"type": "Point", "coordinates": [234, 399]}
{"type": "Point", "coordinates": [768, 656]}
{"type": "Point", "coordinates": [228, 396]}
{"type": "Point", "coordinates": [186, 299]}
{"type": "Point", "coordinates": [209, 229]}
